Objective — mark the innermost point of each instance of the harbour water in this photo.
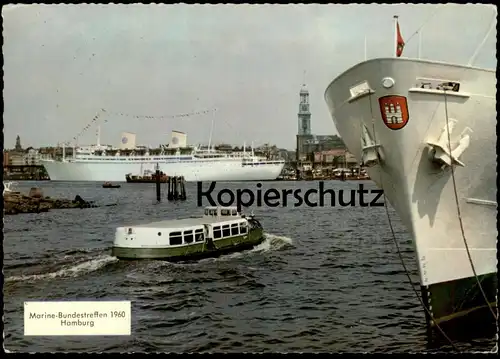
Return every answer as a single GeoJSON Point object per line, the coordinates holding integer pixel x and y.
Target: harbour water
{"type": "Point", "coordinates": [327, 279]}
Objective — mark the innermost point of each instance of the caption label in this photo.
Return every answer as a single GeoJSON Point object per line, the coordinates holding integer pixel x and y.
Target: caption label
{"type": "Point", "coordinates": [77, 318]}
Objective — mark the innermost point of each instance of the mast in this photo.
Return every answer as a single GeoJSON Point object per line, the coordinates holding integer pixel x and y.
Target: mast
{"type": "Point", "coordinates": [98, 135]}
{"type": "Point", "coordinates": [98, 132]}
{"type": "Point", "coordinates": [211, 132]}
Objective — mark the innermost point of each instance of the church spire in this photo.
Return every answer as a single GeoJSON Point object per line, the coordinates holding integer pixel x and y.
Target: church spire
{"type": "Point", "coordinates": [304, 115]}
{"type": "Point", "coordinates": [18, 144]}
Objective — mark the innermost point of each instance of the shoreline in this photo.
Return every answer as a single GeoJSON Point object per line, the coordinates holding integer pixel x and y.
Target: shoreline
{"type": "Point", "coordinates": [17, 203]}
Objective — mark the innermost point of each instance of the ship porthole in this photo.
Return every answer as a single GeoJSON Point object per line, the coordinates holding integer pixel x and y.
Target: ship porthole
{"type": "Point", "coordinates": [159, 233]}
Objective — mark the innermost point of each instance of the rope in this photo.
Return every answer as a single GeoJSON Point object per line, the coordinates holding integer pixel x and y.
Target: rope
{"type": "Point", "coordinates": [478, 49]}
{"type": "Point", "coordinates": [397, 245]}
{"type": "Point", "coordinates": [458, 207]}
{"type": "Point", "coordinates": [421, 26]}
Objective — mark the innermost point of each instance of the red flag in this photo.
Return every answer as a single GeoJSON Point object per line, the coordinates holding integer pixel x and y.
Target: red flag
{"type": "Point", "coordinates": [400, 44]}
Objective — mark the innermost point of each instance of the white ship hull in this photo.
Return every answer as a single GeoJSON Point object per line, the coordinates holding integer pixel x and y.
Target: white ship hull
{"type": "Point", "coordinates": [107, 171]}
{"type": "Point", "coordinates": [422, 192]}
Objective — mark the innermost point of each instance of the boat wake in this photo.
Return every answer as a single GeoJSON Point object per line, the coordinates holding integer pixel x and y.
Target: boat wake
{"type": "Point", "coordinates": [271, 243]}
{"type": "Point", "coordinates": [71, 270]}
{"type": "Point", "coordinates": [85, 261]}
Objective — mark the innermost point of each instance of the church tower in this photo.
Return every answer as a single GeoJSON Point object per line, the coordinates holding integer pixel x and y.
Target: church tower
{"type": "Point", "coordinates": [304, 114]}
{"type": "Point", "coordinates": [18, 144]}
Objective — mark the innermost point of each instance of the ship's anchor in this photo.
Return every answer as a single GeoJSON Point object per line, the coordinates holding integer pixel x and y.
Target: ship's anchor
{"type": "Point", "coordinates": [442, 154]}
{"type": "Point", "coordinates": [370, 155]}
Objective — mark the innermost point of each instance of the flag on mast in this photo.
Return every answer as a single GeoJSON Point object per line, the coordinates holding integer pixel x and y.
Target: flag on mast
{"type": "Point", "coordinates": [400, 43]}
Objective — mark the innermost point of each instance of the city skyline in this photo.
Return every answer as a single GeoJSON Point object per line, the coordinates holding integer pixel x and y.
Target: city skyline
{"type": "Point", "coordinates": [63, 63]}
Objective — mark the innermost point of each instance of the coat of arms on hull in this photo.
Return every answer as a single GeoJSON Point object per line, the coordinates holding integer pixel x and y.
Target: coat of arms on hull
{"type": "Point", "coordinates": [394, 111]}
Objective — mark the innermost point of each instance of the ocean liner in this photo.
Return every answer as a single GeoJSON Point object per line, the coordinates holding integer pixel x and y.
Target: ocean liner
{"type": "Point", "coordinates": [109, 164]}
{"type": "Point", "coordinates": [425, 131]}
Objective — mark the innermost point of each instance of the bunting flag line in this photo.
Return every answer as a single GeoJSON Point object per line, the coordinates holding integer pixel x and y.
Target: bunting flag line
{"type": "Point", "coordinates": [96, 117]}
{"type": "Point", "coordinates": [161, 117]}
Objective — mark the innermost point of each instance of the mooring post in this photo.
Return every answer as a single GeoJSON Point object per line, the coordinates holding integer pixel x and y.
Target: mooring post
{"type": "Point", "coordinates": [158, 187]}
{"type": "Point", "coordinates": [183, 189]}
{"type": "Point", "coordinates": [170, 186]}
{"type": "Point", "coordinates": [176, 188]}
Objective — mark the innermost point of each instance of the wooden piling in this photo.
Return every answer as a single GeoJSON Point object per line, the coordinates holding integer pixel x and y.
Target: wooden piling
{"type": "Point", "coordinates": [183, 190]}
{"type": "Point", "coordinates": [158, 187]}
{"type": "Point", "coordinates": [170, 195]}
{"type": "Point", "coordinates": [176, 189]}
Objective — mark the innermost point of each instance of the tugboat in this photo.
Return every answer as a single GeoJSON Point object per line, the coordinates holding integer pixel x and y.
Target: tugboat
{"type": "Point", "coordinates": [146, 177]}
{"type": "Point", "coordinates": [220, 230]}
{"type": "Point", "coordinates": [110, 185]}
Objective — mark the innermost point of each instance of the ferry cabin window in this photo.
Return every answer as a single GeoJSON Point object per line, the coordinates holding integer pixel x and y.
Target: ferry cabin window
{"type": "Point", "coordinates": [234, 229]}
{"type": "Point", "coordinates": [175, 238]}
{"type": "Point", "coordinates": [234, 212]}
{"type": "Point", "coordinates": [243, 228]}
{"type": "Point", "coordinates": [213, 212]}
{"type": "Point", "coordinates": [226, 232]}
{"type": "Point", "coordinates": [188, 236]}
{"type": "Point", "coordinates": [217, 232]}
{"type": "Point", "coordinates": [224, 212]}
{"type": "Point", "coordinates": [206, 212]}
{"type": "Point", "coordinates": [198, 235]}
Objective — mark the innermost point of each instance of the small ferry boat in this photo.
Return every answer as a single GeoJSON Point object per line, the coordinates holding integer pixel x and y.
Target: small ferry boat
{"type": "Point", "coordinates": [220, 230]}
{"type": "Point", "coordinates": [110, 185]}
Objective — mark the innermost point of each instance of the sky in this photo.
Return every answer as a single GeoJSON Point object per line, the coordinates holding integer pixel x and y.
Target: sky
{"type": "Point", "coordinates": [64, 63]}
